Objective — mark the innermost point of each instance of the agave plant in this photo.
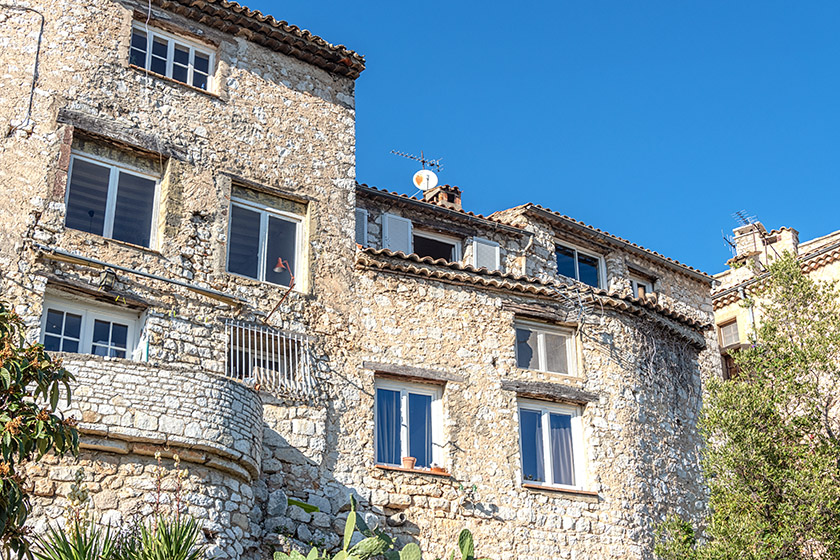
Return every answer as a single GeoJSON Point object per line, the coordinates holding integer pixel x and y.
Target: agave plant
{"type": "Point", "coordinates": [170, 538]}
{"type": "Point", "coordinates": [82, 541]}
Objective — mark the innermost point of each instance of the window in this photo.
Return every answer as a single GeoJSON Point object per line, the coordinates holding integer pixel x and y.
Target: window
{"type": "Point", "coordinates": [551, 441]}
{"type": "Point", "coordinates": [408, 423]}
{"type": "Point", "coordinates": [485, 254]}
{"type": "Point", "coordinates": [544, 348]}
{"type": "Point", "coordinates": [730, 369]}
{"type": "Point", "coordinates": [361, 226]}
{"type": "Point", "coordinates": [729, 334]}
{"type": "Point", "coordinates": [264, 243]}
{"type": "Point", "coordinates": [67, 326]}
{"type": "Point", "coordinates": [171, 56]}
{"type": "Point", "coordinates": [641, 287]}
{"type": "Point", "coordinates": [108, 199]}
{"type": "Point", "coordinates": [437, 246]}
{"type": "Point", "coordinates": [396, 233]}
{"type": "Point", "coordinates": [581, 266]}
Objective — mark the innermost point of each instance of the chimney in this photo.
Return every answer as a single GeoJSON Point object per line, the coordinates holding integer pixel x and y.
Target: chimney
{"type": "Point", "coordinates": [749, 239]}
{"type": "Point", "coordinates": [444, 195]}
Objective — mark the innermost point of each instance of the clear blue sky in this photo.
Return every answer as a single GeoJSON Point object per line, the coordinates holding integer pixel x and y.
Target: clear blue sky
{"type": "Point", "coordinates": [652, 120]}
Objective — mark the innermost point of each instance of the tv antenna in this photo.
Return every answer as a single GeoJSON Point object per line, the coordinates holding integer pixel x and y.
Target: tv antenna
{"type": "Point", "coordinates": [432, 163]}
{"type": "Point", "coordinates": [743, 218]}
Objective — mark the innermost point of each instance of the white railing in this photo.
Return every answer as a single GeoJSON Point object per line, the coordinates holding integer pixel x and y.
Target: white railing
{"type": "Point", "coordinates": [272, 360]}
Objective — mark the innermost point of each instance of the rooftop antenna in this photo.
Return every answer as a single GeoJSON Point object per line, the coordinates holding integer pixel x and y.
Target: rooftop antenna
{"type": "Point", "coordinates": [743, 218]}
{"type": "Point", "coordinates": [729, 243]}
{"type": "Point", "coordinates": [425, 179]}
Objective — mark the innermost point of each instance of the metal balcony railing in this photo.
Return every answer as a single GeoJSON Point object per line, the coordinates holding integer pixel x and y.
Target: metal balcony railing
{"type": "Point", "coordinates": [276, 361]}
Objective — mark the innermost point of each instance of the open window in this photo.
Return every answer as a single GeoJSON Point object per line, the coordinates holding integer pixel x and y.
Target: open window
{"type": "Point", "coordinates": [545, 348]}
{"type": "Point", "coordinates": [75, 326]}
{"type": "Point", "coordinates": [111, 199]}
{"type": "Point", "coordinates": [408, 423]}
{"type": "Point", "coordinates": [172, 56]}
{"type": "Point", "coordinates": [580, 265]}
{"type": "Point", "coordinates": [551, 444]}
{"type": "Point", "coordinates": [436, 245]}
{"type": "Point", "coordinates": [641, 284]}
{"type": "Point", "coordinates": [265, 238]}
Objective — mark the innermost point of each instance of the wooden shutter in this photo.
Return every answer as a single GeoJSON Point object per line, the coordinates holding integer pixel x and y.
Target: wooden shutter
{"type": "Point", "coordinates": [396, 233]}
{"type": "Point", "coordinates": [485, 254]}
{"type": "Point", "coordinates": [361, 226]}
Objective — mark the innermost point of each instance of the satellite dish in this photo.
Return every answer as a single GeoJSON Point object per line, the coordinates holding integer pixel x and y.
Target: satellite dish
{"type": "Point", "coordinates": [425, 180]}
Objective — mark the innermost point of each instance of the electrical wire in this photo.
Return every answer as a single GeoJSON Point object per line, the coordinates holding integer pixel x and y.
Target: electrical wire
{"type": "Point", "coordinates": [28, 117]}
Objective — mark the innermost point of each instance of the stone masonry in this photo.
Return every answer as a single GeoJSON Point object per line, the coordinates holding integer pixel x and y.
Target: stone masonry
{"type": "Point", "coordinates": [268, 393]}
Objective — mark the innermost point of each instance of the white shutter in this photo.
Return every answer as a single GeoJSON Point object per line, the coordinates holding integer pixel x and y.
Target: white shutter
{"type": "Point", "coordinates": [361, 226]}
{"type": "Point", "coordinates": [485, 254]}
{"type": "Point", "coordinates": [396, 233]}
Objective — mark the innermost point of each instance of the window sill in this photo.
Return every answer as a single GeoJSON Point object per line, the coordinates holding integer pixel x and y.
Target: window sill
{"type": "Point", "coordinates": [126, 244]}
{"type": "Point", "coordinates": [560, 490]}
{"type": "Point", "coordinates": [172, 81]}
{"type": "Point", "coordinates": [266, 283]}
{"type": "Point", "coordinates": [413, 471]}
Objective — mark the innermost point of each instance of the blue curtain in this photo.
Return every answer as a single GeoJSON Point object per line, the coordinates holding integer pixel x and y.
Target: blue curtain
{"type": "Point", "coordinates": [562, 456]}
{"type": "Point", "coordinates": [420, 428]}
{"type": "Point", "coordinates": [531, 436]}
{"type": "Point", "coordinates": [388, 426]}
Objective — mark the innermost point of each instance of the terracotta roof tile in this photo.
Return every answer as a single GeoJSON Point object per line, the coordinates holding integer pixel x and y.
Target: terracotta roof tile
{"type": "Point", "coordinates": [583, 225]}
{"type": "Point", "coordinates": [278, 35]}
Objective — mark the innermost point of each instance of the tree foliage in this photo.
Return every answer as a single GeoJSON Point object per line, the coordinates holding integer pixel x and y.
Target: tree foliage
{"type": "Point", "coordinates": [772, 455]}
{"type": "Point", "coordinates": [30, 426]}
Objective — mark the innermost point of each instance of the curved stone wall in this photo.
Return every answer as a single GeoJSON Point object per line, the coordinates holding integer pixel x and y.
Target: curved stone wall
{"type": "Point", "coordinates": [133, 407]}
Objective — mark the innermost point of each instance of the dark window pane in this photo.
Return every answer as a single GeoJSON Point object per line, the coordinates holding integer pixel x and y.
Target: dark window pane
{"type": "Point", "coordinates": [70, 346]}
{"type": "Point", "coordinates": [566, 261]}
{"type": "Point", "coordinates": [99, 350]}
{"type": "Point", "coordinates": [87, 196]}
{"type": "Point", "coordinates": [138, 48]}
{"type": "Point", "coordinates": [555, 353]}
{"type": "Point", "coordinates": [101, 332]}
{"type": "Point", "coordinates": [159, 47]}
{"type": "Point", "coordinates": [562, 455]}
{"type": "Point", "coordinates": [72, 325]}
{"type": "Point", "coordinates": [282, 242]}
{"type": "Point", "coordinates": [158, 65]}
{"type": "Point", "coordinates": [388, 444]}
{"type": "Point", "coordinates": [179, 73]}
{"type": "Point", "coordinates": [181, 55]}
{"type": "Point", "coordinates": [530, 433]}
{"type": "Point", "coordinates": [119, 335]}
{"type": "Point", "coordinates": [420, 429]}
{"type": "Point", "coordinates": [134, 208]}
{"type": "Point", "coordinates": [137, 58]}
{"type": "Point", "coordinates": [52, 343]}
{"type": "Point", "coordinates": [202, 63]}
{"type": "Point", "coordinates": [526, 349]}
{"type": "Point", "coordinates": [426, 247]}
{"type": "Point", "coordinates": [200, 80]}
{"type": "Point", "coordinates": [244, 242]}
{"type": "Point", "coordinates": [55, 320]}
{"type": "Point", "coordinates": [117, 353]}
{"type": "Point", "coordinates": [588, 267]}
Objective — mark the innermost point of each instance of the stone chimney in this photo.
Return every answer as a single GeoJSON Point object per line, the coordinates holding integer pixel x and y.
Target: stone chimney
{"type": "Point", "coordinates": [444, 195]}
{"type": "Point", "coordinates": [754, 243]}
{"type": "Point", "coordinates": [749, 239]}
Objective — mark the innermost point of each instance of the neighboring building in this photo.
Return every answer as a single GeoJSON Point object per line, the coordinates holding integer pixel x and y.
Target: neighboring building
{"type": "Point", "coordinates": [755, 249]}
{"type": "Point", "coordinates": [178, 225]}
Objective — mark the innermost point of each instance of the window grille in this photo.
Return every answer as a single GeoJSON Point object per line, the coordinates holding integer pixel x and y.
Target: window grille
{"type": "Point", "coordinates": [280, 362]}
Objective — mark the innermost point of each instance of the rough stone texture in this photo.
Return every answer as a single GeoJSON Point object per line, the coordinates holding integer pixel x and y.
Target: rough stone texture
{"type": "Point", "coordinates": [284, 131]}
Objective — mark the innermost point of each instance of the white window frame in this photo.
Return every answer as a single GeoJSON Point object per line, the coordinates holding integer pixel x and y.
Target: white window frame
{"type": "Point", "coordinates": [602, 274]}
{"type": "Point", "coordinates": [545, 409]}
{"type": "Point", "coordinates": [404, 388]}
{"type": "Point", "coordinates": [115, 168]}
{"type": "Point", "coordinates": [265, 212]}
{"type": "Point", "coordinates": [483, 241]}
{"type": "Point", "coordinates": [636, 282]}
{"type": "Point", "coordinates": [171, 39]}
{"type": "Point", "coordinates": [386, 239]}
{"type": "Point", "coordinates": [456, 242]}
{"type": "Point", "coordinates": [541, 329]}
{"type": "Point", "coordinates": [363, 213]}
{"type": "Point", "coordinates": [90, 312]}
{"type": "Point", "coordinates": [737, 333]}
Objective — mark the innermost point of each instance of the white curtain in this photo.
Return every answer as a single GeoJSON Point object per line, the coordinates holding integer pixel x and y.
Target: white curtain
{"type": "Point", "coordinates": [388, 426]}
{"type": "Point", "coordinates": [562, 457]}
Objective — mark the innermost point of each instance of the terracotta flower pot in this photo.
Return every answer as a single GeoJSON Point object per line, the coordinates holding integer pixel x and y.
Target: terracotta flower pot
{"type": "Point", "coordinates": [437, 470]}
{"type": "Point", "coordinates": [408, 462]}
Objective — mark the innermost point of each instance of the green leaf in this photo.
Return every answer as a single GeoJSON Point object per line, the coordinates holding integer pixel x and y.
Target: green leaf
{"type": "Point", "coordinates": [369, 547]}
{"type": "Point", "coordinates": [411, 552]}
{"type": "Point", "coordinates": [349, 527]}
{"type": "Point", "coordinates": [308, 508]}
{"type": "Point", "coordinates": [6, 377]}
{"type": "Point", "coordinates": [391, 555]}
{"type": "Point", "coordinates": [465, 544]}
{"type": "Point", "coordinates": [313, 554]}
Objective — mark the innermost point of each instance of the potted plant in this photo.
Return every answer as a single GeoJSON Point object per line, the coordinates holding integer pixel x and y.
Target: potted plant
{"type": "Point", "coordinates": [408, 462]}
{"type": "Point", "coordinates": [437, 469]}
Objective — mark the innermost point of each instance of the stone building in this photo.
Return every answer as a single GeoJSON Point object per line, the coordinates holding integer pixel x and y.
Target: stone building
{"type": "Point", "coordinates": [181, 225]}
{"type": "Point", "coordinates": [755, 248]}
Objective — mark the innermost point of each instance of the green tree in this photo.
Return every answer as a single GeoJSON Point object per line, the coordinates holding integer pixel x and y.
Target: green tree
{"type": "Point", "coordinates": [30, 387]}
{"type": "Point", "coordinates": [772, 455]}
